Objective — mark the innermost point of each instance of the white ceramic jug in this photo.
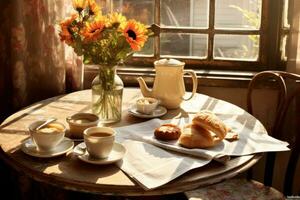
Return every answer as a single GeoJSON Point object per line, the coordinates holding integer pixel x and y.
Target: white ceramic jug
{"type": "Point", "coordinates": [169, 84]}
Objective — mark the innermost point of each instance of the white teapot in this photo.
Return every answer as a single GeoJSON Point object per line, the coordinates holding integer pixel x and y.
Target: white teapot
{"type": "Point", "coordinates": [169, 84]}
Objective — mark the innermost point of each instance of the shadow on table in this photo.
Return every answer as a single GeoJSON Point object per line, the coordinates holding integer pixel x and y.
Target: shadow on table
{"type": "Point", "coordinates": [25, 187]}
{"type": "Point", "coordinates": [18, 185]}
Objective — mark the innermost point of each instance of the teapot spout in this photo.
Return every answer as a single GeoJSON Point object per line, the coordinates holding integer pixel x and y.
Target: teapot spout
{"type": "Point", "coordinates": [144, 88]}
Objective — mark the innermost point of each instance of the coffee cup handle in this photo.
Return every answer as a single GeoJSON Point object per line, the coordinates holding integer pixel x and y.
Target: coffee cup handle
{"type": "Point", "coordinates": [195, 83]}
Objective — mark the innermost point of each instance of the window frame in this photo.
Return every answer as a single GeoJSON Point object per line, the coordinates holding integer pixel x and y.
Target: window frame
{"type": "Point", "coordinates": [271, 32]}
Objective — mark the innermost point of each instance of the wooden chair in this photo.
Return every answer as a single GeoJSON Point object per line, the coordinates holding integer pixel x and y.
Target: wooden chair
{"type": "Point", "coordinates": [288, 100]}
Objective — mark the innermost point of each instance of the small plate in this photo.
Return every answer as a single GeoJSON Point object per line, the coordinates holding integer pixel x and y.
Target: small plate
{"type": "Point", "coordinates": [30, 148]}
{"type": "Point", "coordinates": [115, 155]}
{"type": "Point", "coordinates": [158, 112]}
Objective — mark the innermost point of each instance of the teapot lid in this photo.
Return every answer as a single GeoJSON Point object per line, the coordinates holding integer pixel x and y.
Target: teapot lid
{"type": "Point", "coordinates": [167, 61]}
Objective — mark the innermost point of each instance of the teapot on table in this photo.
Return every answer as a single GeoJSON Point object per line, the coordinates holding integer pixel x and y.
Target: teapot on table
{"type": "Point", "coordinates": [168, 85]}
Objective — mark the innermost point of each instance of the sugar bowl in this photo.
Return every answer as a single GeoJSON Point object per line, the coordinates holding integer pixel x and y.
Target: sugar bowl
{"type": "Point", "coordinates": [146, 105]}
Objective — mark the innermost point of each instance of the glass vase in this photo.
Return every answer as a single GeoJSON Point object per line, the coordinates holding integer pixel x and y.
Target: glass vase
{"type": "Point", "coordinates": [107, 92]}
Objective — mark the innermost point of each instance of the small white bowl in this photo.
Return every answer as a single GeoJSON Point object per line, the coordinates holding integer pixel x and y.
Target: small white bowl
{"type": "Point", "coordinates": [48, 137]}
{"type": "Point", "coordinates": [146, 105]}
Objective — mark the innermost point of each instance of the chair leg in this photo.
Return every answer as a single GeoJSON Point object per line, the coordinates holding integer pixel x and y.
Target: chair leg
{"type": "Point", "coordinates": [270, 160]}
{"type": "Point", "coordinates": [249, 174]}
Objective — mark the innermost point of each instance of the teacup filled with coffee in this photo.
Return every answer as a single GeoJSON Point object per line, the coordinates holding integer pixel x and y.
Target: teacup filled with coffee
{"type": "Point", "coordinates": [99, 141]}
{"type": "Point", "coordinates": [81, 121]}
{"type": "Point", "coordinates": [47, 137]}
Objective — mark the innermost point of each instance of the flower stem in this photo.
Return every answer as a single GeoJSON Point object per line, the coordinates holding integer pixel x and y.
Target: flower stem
{"type": "Point", "coordinates": [107, 94]}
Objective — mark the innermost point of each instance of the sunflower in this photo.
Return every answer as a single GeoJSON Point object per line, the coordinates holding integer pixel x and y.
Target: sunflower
{"type": "Point", "coordinates": [135, 34]}
{"type": "Point", "coordinates": [115, 20]}
{"type": "Point", "coordinates": [66, 30]}
{"type": "Point", "coordinates": [93, 30]}
{"type": "Point", "coordinates": [94, 9]}
{"type": "Point", "coordinates": [79, 5]}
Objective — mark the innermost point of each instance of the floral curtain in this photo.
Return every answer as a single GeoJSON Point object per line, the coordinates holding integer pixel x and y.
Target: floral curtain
{"type": "Point", "coordinates": [34, 63]}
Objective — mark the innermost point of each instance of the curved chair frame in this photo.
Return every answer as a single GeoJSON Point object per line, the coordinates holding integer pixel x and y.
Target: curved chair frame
{"type": "Point", "coordinates": [285, 99]}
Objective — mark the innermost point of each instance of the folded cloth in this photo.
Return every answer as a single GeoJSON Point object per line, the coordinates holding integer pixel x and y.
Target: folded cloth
{"type": "Point", "coordinates": [148, 162]}
{"type": "Point", "coordinates": [152, 167]}
{"type": "Point", "coordinates": [252, 139]}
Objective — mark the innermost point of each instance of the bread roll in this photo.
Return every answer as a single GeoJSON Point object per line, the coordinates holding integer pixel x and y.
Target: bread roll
{"type": "Point", "coordinates": [194, 136]}
{"type": "Point", "coordinates": [211, 122]}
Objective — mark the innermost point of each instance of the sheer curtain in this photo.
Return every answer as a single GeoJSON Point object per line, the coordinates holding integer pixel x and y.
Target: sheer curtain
{"type": "Point", "coordinates": [34, 63]}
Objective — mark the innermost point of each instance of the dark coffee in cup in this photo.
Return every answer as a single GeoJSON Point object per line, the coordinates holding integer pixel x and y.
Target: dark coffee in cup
{"type": "Point", "coordinates": [100, 134]}
{"type": "Point", "coordinates": [99, 141]}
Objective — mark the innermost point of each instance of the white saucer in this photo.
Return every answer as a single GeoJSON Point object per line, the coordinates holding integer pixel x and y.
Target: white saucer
{"type": "Point", "coordinates": [158, 112]}
{"type": "Point", "coordinates": [30, 148]}
{"type": "Point", "coordinates": [115, 155]}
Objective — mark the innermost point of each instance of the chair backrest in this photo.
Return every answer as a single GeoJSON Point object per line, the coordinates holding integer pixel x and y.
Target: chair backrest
{"type": "Point", "coordinates": [288, 85]}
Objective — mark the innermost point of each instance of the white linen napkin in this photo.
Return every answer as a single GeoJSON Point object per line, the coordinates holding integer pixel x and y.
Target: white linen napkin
{"type": "Point", "coordinates": [253, 138]}
{"type": "Point", "coordinates": [151, 166]}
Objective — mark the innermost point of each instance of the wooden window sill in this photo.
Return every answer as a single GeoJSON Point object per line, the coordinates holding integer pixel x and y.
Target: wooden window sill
{"type": "Point", "coordinates": [208, 78]}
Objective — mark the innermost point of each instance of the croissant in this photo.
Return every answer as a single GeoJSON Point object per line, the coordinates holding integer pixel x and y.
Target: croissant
{"type": "Point", "coordinates": [206, 130]}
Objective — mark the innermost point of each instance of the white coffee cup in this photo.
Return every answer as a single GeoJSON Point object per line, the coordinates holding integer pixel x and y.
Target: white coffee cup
{"type": "Point", "coordinates": [81, 121]}
{"type": "Point", "coordinates": [48, 137]}
{"type": "Point", "coordinates": [99, 141]}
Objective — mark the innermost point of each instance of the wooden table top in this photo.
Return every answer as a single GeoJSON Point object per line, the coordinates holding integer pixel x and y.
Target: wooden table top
{"type": "Point", "coordinates": [69, 172]}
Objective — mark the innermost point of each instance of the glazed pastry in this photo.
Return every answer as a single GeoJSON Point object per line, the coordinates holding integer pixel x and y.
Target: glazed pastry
{"type": "Point", "coordinates": [167, 132]}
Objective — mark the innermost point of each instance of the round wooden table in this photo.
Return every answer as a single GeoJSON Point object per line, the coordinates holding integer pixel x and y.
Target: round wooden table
{"type": "Point", "coordinates": [69, 172]}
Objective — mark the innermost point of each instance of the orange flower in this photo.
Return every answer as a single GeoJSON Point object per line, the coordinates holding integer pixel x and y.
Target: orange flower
{"type": "Point", "coordinates": [135, 34]}
{"type": "Point", "coordinates": [66, 30]}
{"type": "Point", "coordinates": [79, 5]}
{"type": "Point", "coordinates": [116, 20]}
{"type": "Point", "coordinates": [94, 9]}
{"type": "Point", "coordinates": [93, 30]}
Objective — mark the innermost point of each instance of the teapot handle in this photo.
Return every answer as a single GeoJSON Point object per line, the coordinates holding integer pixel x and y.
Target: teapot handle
{"type": "Point", "coordinates": [195, 82]}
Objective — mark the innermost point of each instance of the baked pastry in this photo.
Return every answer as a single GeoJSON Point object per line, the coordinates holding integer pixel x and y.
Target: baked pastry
{"type": "Point", "coordinates": [232, 136]}
{"type": "Point", "coordinates": [195, 136]}
{"type": "Point", "coordinates": [211, 122]}
{"type": "Point", "coordinates": [206, 130]}
{"type": "Point", "coordinates": [167, 132]}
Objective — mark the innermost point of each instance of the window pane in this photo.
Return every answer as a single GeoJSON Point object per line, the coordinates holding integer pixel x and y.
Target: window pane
{"type": "Point", "coordinates": [148, 48]}
{"type": "Point", "coordinates": [283, 47]}
{"type": "Point", "coordinates": [236, 47]}
{"type": "Point", "coordinates": [142, 10]}
{"type": "Point", "coordinates": [285, 14]}
{"type": "Point", "coordinates": [242, 14]}
{"type": "Point", "coordinates": [184, 13]}
{"type": "Point", "coordinates": [186, 45]}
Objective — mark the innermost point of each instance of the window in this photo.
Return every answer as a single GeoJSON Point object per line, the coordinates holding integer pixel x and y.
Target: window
{"type": "Point", "coordinates": [212, 34]}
